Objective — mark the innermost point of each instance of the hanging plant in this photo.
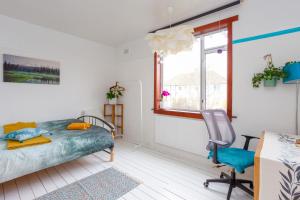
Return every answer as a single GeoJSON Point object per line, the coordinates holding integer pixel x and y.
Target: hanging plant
{"type": "Point", "coordinates": [270, 75]}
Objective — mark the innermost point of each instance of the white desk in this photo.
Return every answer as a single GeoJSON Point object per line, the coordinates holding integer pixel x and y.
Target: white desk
{"type": "Point", "coordinates": [277, 168]}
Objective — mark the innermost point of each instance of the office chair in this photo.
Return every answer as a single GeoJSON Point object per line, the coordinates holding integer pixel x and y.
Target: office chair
{"type": "Point", "coordinates": [221, 137]}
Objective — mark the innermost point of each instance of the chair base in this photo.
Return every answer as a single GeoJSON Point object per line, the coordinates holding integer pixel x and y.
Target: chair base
{"type": "Point", "coordinates": [233, 182]}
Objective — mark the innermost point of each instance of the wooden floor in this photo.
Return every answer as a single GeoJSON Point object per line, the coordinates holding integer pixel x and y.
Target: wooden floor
{"type": "Point", "coordinates": [162, 178]}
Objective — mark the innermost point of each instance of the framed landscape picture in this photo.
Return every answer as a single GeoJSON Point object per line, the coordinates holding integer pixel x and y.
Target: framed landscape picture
{"type": "Point", "coordinates": [20, 69]}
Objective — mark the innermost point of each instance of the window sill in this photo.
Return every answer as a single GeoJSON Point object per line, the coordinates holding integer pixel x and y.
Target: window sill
{"type": "Point", "coordinates": [193, 115]}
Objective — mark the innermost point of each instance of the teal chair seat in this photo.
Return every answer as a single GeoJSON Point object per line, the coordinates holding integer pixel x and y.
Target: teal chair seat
{"type": "Point", "coordinates": [239, 159]}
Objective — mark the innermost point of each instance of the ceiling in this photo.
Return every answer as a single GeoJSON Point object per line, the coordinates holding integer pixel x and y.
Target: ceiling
{"type": "Point", "coordinates": [110, 22]}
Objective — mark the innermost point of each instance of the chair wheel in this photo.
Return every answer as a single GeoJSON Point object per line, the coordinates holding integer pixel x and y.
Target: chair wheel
{"type": "Point", "coordinates": [251, 185]}
{"type": "Point", "coordinates": [205, 184]}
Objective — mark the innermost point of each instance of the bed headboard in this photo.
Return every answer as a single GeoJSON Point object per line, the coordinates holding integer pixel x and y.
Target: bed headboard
{"type": "Point", "coordinates": [96, 121]}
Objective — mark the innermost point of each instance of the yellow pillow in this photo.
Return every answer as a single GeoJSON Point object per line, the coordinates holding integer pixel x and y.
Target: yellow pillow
{"type": "Point", "coordinates": [11, 144]}
{"type": "Point", "coordinates": [78, 126]}
{"type": "Point", "coordinates": [17, 126]}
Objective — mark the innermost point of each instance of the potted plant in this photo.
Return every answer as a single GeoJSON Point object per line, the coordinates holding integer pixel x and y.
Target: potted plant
{"type": "Point", "coordinates": [164, 95]}
{"type": "Point", "coordinates": [111, 97]}
{"type": "Point", "coordinates": [114, 93]}
{"type": "Point", "coordinates": [270, 75]}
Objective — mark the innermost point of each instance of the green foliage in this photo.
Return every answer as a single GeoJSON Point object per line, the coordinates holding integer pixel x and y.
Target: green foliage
{"type": "Point", "coordinates": [30, 77]}
{"type": "Point", "coordinates": [115, 92]}
{"type": "Point", "coordinates": [110, 95]}
{"type": "Point", "coordinates": [269, 73]}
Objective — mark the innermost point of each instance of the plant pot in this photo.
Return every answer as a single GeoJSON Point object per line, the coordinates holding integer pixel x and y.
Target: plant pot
{"type": "Point", "coordinates": [161, 104]}
{"type": "Point", "coordinates": [270, 83]}
{"type": "Point", "coordinates": [112, 101]}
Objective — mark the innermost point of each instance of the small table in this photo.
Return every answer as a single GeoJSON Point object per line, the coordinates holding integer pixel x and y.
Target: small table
{"type": "Point", "coordinates": [277, 167]}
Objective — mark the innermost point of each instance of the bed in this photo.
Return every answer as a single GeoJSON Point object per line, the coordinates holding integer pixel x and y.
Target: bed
{"type": "Point", "coordinates": [66, 145]}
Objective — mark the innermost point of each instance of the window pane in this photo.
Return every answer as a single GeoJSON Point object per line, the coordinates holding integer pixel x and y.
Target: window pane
{"type": "Point", "coordinates": [215, 40]}
{"type": "Point", "coordinates": [181, 78]}
{"type": "Point", "coordinates": [216, 80]}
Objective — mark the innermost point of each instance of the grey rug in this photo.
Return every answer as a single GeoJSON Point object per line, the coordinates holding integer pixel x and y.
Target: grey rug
{"type": "Point", "coordinates": [109, 184]}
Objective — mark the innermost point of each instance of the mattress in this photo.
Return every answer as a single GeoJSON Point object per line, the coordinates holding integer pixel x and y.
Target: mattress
{"type": "Point", "coordinates": [66, 145]}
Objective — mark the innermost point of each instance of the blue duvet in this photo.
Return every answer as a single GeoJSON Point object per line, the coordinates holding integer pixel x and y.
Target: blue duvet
{"type": "Point", "coordinates": [66, 145]}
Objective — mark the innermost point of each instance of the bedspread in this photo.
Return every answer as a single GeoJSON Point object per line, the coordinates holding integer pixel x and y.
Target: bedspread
{"type": "Point", "coordinates": [66, 145]}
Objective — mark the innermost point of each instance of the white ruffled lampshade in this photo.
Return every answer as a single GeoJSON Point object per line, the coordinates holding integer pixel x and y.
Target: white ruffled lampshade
{"type": "Point", "coordinates": [172, 40]}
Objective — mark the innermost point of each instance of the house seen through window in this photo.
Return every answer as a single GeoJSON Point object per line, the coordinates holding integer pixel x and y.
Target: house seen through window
{"type": "Point", "coordinates": [197, 79]}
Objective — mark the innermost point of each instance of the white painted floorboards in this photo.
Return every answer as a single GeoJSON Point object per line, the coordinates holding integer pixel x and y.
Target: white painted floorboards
{"type": "Point", "coordinates": [162, 178]}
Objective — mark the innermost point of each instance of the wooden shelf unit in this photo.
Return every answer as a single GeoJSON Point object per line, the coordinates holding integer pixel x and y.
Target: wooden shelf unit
{"type": "Point", "coordinates": [114, 113]}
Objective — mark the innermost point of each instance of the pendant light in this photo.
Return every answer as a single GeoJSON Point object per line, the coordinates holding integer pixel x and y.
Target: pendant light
{"type": "Point", "coordinates": [173, 39]}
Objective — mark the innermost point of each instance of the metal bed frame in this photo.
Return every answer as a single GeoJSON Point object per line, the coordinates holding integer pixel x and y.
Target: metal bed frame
{"type": "Point", "coordinates": [96, 121]}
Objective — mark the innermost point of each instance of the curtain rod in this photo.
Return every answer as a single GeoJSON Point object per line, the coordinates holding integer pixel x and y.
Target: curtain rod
{"type": "Point", "coordinates": [200, 15]}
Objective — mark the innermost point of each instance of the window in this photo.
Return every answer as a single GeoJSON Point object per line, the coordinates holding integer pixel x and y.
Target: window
{"type": "Point", "coordinates": [200, 78]}
{"type": "Point", "coordinates": [181, 77]}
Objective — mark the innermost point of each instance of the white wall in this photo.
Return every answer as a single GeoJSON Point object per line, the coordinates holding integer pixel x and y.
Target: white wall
{"type": "Point", "coordinates": [132, 101]}
{"type": "Point", "coordinates": [257, 109]}
{"type": "Point", "coordinates": [86, 72]}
